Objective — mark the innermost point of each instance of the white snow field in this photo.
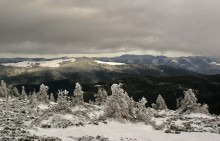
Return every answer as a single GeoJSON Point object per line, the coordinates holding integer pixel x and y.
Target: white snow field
{"type": "Point", "coordinates": [51, 63]}
{"type": "Point", "coordinates": [116, 131]}
{"type": "Point", "coordinates": [109, 63]}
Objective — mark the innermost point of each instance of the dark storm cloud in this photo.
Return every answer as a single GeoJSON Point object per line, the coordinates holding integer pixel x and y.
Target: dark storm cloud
{"type": "Point", "coordinates": [105, 26]}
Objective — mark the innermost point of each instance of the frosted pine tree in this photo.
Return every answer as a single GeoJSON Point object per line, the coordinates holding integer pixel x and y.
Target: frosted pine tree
{"type": "Point", "coordinates": [3, 90]}
{"type": "Point", "coordinates": [52, 97]}
{"type": "Point", "coordinates": [204, 109]}
{"type": "Point", "coordinates": [15, 92]}
{"type": "Point", "coordinates": [33, 100]}
{"type": "Point", "coordinates": [101, 96]}
{"type": "Point", "coordinates": [23, 95]}
{"type": "Point", "coordinates": [2, 94]}
{"type": "Point", "coordinates": [62, 97]}
{"type": "Point", "coordinates": [42, 94]}
{"type": "Point", "coordinates": [141, 111]}
{"type": "Point", "coordinates": [78, 95]}
{"type": "Point", "coordinates": [117, 105]}
{"type": "Point", "coordinates": [189, 104]}
{"type": "Point", "coordinates": [63, 105]}
{"type": "Point", "coordinates": [161, 103]}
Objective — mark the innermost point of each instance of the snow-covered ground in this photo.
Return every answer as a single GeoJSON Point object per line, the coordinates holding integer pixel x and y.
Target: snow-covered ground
{"type": "Point", "coordinates": [72, 120]}
{"type": "Point", "coordinates": [109, 63]}
{"type": "Point", "coordinates": [116, 131]}
{"type": "Point", "coordinates": [51, 63]}
{"type": "Point", "coordinates": [111, 129]}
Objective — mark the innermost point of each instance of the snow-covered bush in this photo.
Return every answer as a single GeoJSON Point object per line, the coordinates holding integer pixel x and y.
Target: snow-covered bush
{"type": "Point", "coordinates": [189, 104]}
{"type": "Point", "coordinates": [204, 109]}
{"type": "Point", "coordinates": [101, 96]}
{"type": "Point", "coordinates": [154, 106]}
{"type": "Point", "coordinates": [161, 103]}
{"type": "Point", "coordinates": [78, 95]}
{"type": "Point", "coordinates": [42, 95]}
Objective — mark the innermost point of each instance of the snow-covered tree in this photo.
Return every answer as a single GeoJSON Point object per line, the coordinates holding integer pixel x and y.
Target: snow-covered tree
{"type": "Point", "coordinates": [42, 94]}
{"type": "Point", "coordinates": [141, 111]}
{"type": "Point", "coordinates": [52, 97]}
{"type": "Point", "coordinates": [15, 92]}
{"type": "Point", "coordinates": [178, 102]}
{"type": "Point", "coordinates": [189, 104]}
{"type": "Point", "coordinates": [33, 100]}
{"type": "Point", "coordinates": [3, 89]}
{"type": "Point", "coordinates": [161, 103]}
{"type": "Point", "coordinates": [2, 94]}
{"type": "Point", "coordinates": [23, 95]}
{"type": "Point", "coordinates": [62, 97]}
{"type": "Point", "coordinates": [118, 104]}
{"type": "Point", "coordinates": [78, 95]}
{"type": "Point", "coordinates": [101, 96]}
{"type": "Point", "coordinates": [63, 105]}
{"type": "Point", "coordinates": [204, 109]}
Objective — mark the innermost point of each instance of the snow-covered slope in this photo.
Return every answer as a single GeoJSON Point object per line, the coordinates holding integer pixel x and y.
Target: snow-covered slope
{"type": "Point", "coordinates": [109, 63]}
{"type": "Point", "coordinates": [50, 63]}
{"type": "Point", "coordinates": [53, 63]}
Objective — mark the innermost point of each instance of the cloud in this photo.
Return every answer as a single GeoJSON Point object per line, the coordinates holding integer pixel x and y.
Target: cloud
{"type": "Point", "coordinates": [101, 26]}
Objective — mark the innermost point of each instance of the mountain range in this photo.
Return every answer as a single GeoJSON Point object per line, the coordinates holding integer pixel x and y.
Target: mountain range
{"type": "Point", "coordinates": [83, 70]}
{"type": "Point", "coordinates": [199, 64]}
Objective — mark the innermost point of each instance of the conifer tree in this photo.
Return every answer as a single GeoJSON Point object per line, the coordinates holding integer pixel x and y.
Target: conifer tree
{"type": "Point", "coordinates": [78, 95]}
{"type": "Point", "coordinates": [23, 95]}
{"type": "Point", "coordinates": [161, 103]}
{"type": "Point", "coordinates": [42, 94]}
{"type": "Point", "coordinates": [118, 104]}
{"type": "Point", "coordinates": [101, 96]}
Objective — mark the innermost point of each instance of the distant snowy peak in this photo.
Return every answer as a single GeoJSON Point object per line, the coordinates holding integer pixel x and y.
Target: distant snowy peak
{"type": "Point", "coordinates": [109, 63]}
{"type": "Point", "coordinates": [50, 63]}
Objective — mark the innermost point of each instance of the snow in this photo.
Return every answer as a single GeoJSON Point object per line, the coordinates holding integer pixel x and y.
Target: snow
{"type": "Point", "coordinates": [109, 63]}
{"type": "Point", "coordinates": [43, 106]}
{"type": "Point", "coordinates": [51, 63]}
{"type": "Point", "coordinates": [198, 115]}
{"type": "Point", "coordinates": [174, 61]}
{"type": "Point", "coordinates": [67, 116]}
{"type": "Point", "coordinates": [215, 63]}
{"type": "Point", "coordinates": [115, 131]}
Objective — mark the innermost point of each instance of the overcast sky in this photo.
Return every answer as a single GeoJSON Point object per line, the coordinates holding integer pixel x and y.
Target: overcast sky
{"type": "Point", "coordinates": [103, 27]}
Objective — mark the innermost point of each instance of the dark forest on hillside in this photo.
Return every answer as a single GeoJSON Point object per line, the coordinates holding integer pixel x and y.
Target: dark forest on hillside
{"type": "Point", "coordinates": [206, 88]}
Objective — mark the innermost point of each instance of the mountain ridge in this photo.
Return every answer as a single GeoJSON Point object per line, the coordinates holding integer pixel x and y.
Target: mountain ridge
{"type": "Point", "coordinates": [87, 70]}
